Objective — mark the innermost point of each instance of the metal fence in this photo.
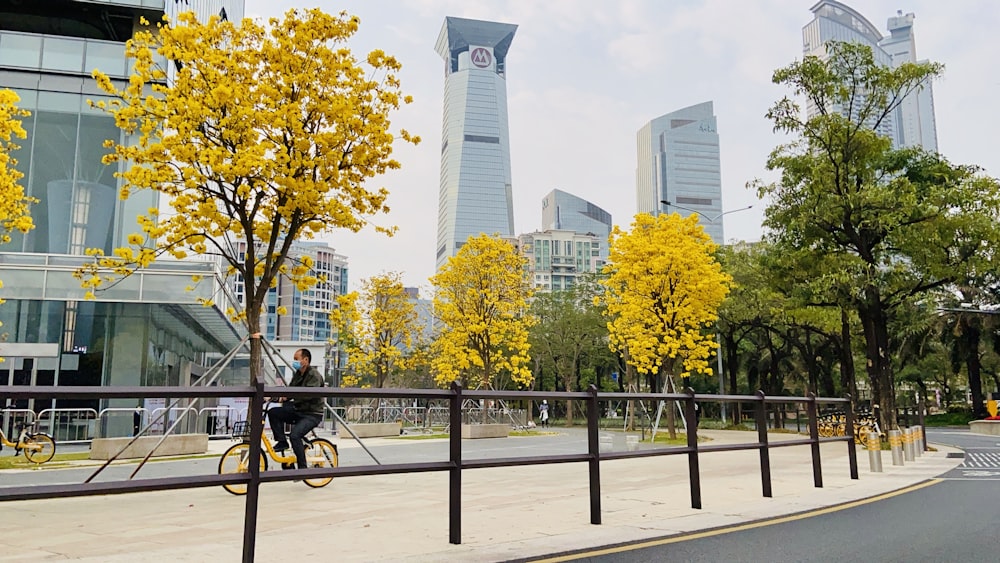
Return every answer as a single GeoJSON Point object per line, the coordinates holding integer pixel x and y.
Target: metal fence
{"type": "Point", "coordinates": [455, 464]}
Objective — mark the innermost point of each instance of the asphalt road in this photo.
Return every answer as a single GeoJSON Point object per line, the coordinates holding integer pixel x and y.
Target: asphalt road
{"type": "Point", "coordinates": [956, 518]}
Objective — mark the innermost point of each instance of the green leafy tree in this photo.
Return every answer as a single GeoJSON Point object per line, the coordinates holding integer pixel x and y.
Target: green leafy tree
{"type": "Point", "coordinates": [897, 223]}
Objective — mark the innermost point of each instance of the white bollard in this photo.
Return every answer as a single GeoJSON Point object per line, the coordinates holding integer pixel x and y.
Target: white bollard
{"type": "Point", "coordinates": [896, 446]}
{"type": "Point", "coordinates": [874, 452]}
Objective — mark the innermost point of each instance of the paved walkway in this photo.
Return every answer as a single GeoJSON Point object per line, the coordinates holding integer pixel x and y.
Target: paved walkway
{"type": "Point", "coordinates": [508, 513]}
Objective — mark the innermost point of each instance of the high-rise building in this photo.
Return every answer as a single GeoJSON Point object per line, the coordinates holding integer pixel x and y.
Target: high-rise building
{"type": "Point", "coordinates": [556, 259]}
{"type": "Point", "coordinates": [475, 193]}
{"type": "Point", "coordinates": [305, 314]}
{"type": "Point", "coordinates": [145, 329]}
{"type": "Point", "coordinates": [915, 124]}
{"type": "Point", "coordinates": [679, 162]}
{"type": "Point", "coordinates": [567, 212]}
{"type": "Point", "coordinates": [912, 124]}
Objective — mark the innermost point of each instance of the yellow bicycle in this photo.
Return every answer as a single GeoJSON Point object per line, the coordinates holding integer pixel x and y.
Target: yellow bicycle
{"type": "Point", "coordinates": [37, 447]}
{"type": "Point", "coordinates": [319, 453]}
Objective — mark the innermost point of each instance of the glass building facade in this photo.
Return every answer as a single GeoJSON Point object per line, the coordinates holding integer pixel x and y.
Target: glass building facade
{"type": "Point", "coordinates": [557, 258]}
{"type": "Point", "coordinates": [475, 192]}
{"type": "Point", "coordinates": [565, 211]}
{"type": "Point", "coordinates": [679, 162]}
{"type": "Point", "coordinates": [143, 330]}
{"type": "Point", "coordinates": [913, 123]}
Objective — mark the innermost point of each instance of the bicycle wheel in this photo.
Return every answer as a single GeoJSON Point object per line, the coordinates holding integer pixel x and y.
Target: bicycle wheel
{"type": "Point", "coordinates": [321, 453]}
{"type": "Point", "coordinates": [39, 448]}
{"type": "Point", "coordinates": [236, 460]}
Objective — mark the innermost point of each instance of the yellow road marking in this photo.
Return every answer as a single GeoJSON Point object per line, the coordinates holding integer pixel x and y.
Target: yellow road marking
{"type": "Point", "coordinates": [738, 527]}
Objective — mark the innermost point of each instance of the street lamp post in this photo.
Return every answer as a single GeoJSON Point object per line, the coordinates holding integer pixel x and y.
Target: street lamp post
{"type": "Point", "coordinates": [718, 337]}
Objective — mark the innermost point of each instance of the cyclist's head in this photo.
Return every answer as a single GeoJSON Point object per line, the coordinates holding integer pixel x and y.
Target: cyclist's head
{"type": "Point", "coordinates": [304, 356]}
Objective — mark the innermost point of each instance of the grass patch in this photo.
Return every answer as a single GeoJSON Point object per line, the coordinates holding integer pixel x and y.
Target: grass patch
{"type": "Point", "coordinates": [949, 419]}
{"type": "Point", "coordinates": [21, 462]}
{"type": "Point", "coordinates": [664, 438]}
{"type": "Point", "coordinates": [420, 437]}
{"type": "Point", "coordinates": [532, 433]}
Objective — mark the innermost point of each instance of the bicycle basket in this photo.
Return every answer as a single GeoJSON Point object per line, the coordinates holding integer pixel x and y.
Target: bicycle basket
{"type": "Point", "coordinates": [241, 430]}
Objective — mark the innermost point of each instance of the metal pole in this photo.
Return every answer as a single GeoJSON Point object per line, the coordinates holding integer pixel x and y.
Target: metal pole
{"type": "Point", "coordinates": [908, 444]}
{"type": "Point", "coordinates": [918, 441]}
{"type": "Point", "coordinates": [694, 475]}
{"type": "Point", "coordinates": [765, 453]}
{"type": "Point", "coordinates": [593, 448]}
{"type": "Point", "coordinates": [852, 451]}
{"type": "Point", "coordinates": [455, 473]}
{"type": "Point", "coordinates": [255, 419]}
{"type": "Point", "coordinates": [814, 440]}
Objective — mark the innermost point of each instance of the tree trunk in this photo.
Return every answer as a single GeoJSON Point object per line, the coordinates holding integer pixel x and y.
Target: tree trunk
{"type": "Point", "coordinates": [730, 367]}
{"type": "Point", "coordinates": [875, 323]}
{"type": "Point", "coordinates": [847, 378]}
{"type": "Point", "coordinates": [971, 336]}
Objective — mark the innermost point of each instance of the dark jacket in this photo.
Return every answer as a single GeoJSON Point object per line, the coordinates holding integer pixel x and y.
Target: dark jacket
{"type": "Point", "coordinates": [309, 378]}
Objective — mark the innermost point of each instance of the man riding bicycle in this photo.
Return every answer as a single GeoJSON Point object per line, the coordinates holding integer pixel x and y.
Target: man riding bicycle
{"type": "Point", "coordinates": [304, 413]}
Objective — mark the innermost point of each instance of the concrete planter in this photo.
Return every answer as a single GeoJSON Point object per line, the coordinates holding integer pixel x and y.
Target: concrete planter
{"type": "Point", "coordinates": [175, 444]}
{"type": "Point", "coordinates": [988, 427]}
{"type": "Point", "coordinates": [473, 431]}
{"type": "Point", "coordinates": [371, 429]}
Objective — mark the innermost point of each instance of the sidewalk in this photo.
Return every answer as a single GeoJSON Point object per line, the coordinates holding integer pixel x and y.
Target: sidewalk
{"type": "Point", "coordinates": [508, 513]}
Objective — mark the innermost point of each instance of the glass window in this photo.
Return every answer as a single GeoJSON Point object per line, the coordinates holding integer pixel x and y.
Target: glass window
{"type": "Point", "coordinates": [109, 58]}
{"type": "Point", "coordinates": [20, 50]}
{"type": "Point", "coordinates": [63, 54]}
{"type": "Point", "coordinates": [53, 152]}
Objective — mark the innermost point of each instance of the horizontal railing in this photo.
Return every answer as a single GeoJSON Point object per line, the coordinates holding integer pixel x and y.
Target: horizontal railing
{"type": "Point", "coordinates": [455, 464]}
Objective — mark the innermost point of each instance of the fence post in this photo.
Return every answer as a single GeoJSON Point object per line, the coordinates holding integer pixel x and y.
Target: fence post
{"type": "Point", "coordinates": [814, 440]}
{"type": "Point", "coordinates": [455, 457]}
{"type": "Point", "coordinates": [694, 475]}
{"type": "Point", "coordinates": [765, 453]}
{"type": "Point", "coordinates": [594, 448]}
{"type": "Point", "coordinates": [852, 451]}
{"type": "Point", "coordinates": [256, 421]}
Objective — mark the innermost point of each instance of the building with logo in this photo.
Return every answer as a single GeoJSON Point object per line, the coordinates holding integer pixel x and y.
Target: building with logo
{"type": "Point", "coordinates": [475, 190]}
{"type": "Point", "coordinates": [567, 212]}
{"type": "Point", "coordinates": [145, 329]}
{"type": "Point", "coordinates": [913, 123]}
{"type": "Point", "coordinates": [679, 162]}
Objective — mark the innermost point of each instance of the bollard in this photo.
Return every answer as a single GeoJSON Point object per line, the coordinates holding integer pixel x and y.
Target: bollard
{"type": "Point", "coordinates": [896, 445]}
{"type": "Point", "coordinates": [874, 452]}
{"type": "Point", "coordinates": [918, 441]}
{"type": "Point", "coordinates": [908, 444]}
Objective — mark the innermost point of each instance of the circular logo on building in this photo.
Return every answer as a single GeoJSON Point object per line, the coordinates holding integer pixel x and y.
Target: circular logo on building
{"type": "Point", "coordinates": [481, 57]}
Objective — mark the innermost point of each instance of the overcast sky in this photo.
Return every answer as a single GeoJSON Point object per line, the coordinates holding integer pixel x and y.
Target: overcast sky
{"type": "Point", "coordinates": [584, 75]}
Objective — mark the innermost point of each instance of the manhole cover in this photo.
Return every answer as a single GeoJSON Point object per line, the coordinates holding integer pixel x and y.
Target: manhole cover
{"type": "Point", "coordinates": [959, 455]}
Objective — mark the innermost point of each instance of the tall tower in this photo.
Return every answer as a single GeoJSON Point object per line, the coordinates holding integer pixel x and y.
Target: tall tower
{"type": "Point", "coordinates": [678, 161]}
{"type": "Point", "coordinates": [915, 122]}
{"type": "Point", "coordinates": [475, 194]}
{"type": "Point", "coordinates": [835, 21]}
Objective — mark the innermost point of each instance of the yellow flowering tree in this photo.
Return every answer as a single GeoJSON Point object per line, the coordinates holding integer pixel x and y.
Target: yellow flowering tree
{"type": "Point", "coordinates": [376, 328]}
{"type": "Point", "coordinates": [14, 212]}
{"type": "Point", "coordinates": [266, 133]}
{"type": "Point", "coordinates": [481, 300]}
{"type": "Point", "coordinates": [663, 287]}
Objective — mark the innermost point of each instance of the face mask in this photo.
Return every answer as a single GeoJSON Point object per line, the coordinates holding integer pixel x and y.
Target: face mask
{"type": "Point", "coordinates": [296, 365]}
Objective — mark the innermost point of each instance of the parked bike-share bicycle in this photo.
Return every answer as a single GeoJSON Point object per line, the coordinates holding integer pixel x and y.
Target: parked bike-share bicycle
{"type": "Point", "coordinates": [320, 452]}
{"type": "Point", "coordinates": [37, 446]}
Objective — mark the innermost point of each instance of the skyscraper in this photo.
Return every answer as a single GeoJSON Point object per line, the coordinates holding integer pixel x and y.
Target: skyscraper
{"type": "Point", "coordinates": [915, 124]}
{"type": "Point", "coordinates": [912, 124]}
{"type": "Point", "coordinates": [678, 161]}
{"type": "Point", "coordinates": [475, 193]}
{"type": "Point", "coordinates": [565, 211]}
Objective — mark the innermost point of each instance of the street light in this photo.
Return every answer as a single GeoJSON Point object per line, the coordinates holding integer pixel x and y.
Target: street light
{"type": "Point", "coordinates": [712, 219]}
{"type": "Point", "coordinates": [718, 337]}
